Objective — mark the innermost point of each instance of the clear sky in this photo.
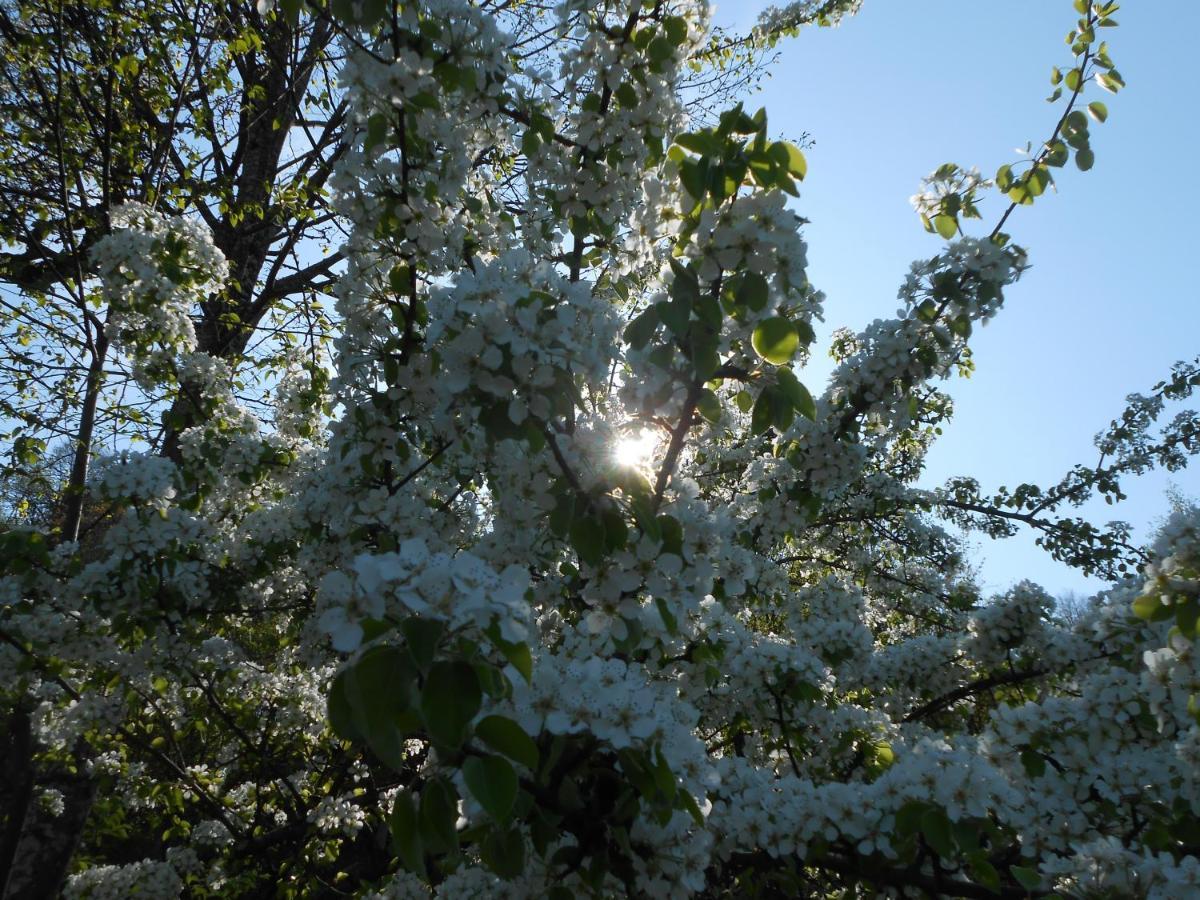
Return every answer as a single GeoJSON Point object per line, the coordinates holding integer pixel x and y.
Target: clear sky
{"type": "Point", "coordinates": [1112, 298]}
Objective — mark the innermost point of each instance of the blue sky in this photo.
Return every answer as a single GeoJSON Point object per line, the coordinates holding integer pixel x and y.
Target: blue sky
{"type": "Point", "coordinates": [1112, 298]}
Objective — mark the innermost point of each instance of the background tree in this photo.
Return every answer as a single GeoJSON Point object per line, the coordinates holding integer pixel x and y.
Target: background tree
{"type": "Point", "coordinates": [205, 111]}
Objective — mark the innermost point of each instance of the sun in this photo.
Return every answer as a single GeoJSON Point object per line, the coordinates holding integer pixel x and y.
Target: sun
{"type": "Point", "coordinates": [636, 449]}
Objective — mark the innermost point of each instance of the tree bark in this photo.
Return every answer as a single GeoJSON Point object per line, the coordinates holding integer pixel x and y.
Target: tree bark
{"type": "Point", "coordinates": [16, 788]}
{"type": "Point", "coordinates": [47, 842]}
{"type": "Point", "coordinates": [74, 495]}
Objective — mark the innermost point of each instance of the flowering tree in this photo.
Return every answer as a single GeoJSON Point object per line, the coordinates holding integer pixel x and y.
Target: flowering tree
{"type": "Point", "coordinates": [565, 584]}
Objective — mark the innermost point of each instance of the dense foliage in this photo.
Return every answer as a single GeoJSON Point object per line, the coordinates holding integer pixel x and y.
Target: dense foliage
{"type": "Point", "coordinates": [559, 581]}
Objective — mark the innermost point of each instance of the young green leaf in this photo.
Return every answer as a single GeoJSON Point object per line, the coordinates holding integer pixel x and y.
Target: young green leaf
{"type": "Point", "coordinates": [776, 340]}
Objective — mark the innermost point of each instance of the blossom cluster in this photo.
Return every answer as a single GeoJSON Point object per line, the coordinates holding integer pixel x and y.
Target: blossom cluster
{"type": "Point", "coordinates": [461, 590]}
{"type": "Point", "coordinates": [515, 333]}
{"type": "Point", "coordinates": [154, 270]}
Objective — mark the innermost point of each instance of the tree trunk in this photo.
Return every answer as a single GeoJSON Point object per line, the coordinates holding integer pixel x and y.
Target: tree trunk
{"type": "Point", "coordinates": [16, 787]}
{"type": "Point", "coordinates": [46, 843]}
{"type": "Point", "coordinates": [74, 495]}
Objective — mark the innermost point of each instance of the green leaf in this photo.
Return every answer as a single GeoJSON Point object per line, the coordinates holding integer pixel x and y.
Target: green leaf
{"type": "Point", "coordinates": [675, 314]}
{"type": "Point", "coordinates": [377, 131]}
{"type": "Point", "coordinates": [709, 406]}
{"type": "Point", "coordinates": [517, 653]}
{"type": "Point", "coordinates": [664, 778]}
{"type": "Point", "coordinates": [641, 329]}
{"type": "Point", "coordinates": [616, 532]}
{"type": "Point", "coordinates": [438, 816]}
{"type": "Point", "coordinates": [1145, 606]}
{"type": "Point", "coordinates": [587, 537]}
{"type": "Point", "coordinates": [1027, 878]}
{"type": "Point", "coordinates": [1076, 138]}
{"type": "Point", "coordinates": [702, 143]}
{"type": "Point", "coordinates": [936, 828]}
{"type": "Point", "coordinates": [1085, 159]}
{"type": "Point", "coordinates": [493, 783]}
{"type": "Point", "coordinates": [1098, 111]}
{"type": "Point", "coordinates": [908, 818]}
{"type": "Point", "coordinates": [776, 340]}
{"type": "Point", "coordinates": [505, 736]}
{"type": "Point", "coordinates": [966, 835]}
{"type": "Point", "coordinates": [636, 767]}
{"type": "Point", "coordinates": [503, 851]}
{"type": "Point", "coordinates": [402, 822]}
{"type": "Point", "coordinates": [883, 754]}
{"type": "Point", "coordinates": [492, 680]}
{"type": "Point", "coordinates": [378, 688]}
{"type": "Point", "coordinates": [1186, 614]}
{"type": "Point", "coordinates": [521, 659]}
{"type": "Point", "coordinates": [702, 349]}
{"type": "Point", "coordinates": [291, 10]}
{"type": "Point", "coordinates": [672, 534]}
{"type": "Point", "coordinates": [1056, 154]}
{"type": "Point", "coordinates": [664, 612]}
{"type": "Point", "coordinates": [947, 226]}
{"type": "Point", "coordinates": [450, 699]}
{"type": "Point", "coordinates": [752, 290]}
{"type": "Point", "coordinates": [400, 280]}
{"type": "Point", "coordinates": [694, 176]}
{"type": "Point", "coordinates": [676, 29]}
{"type": "Point", "coordinates": [797, 393]}
{"type": "Point", "coordinates": [797, 165]}
{"type": "Point", "coordinates": [530, 142]}
{"type": "Point", "coordinates": [341, 713]}
{"type": "Point", "coordinates": [560, 517]}
{"type": "Point", "coordinates": [1037, 180]}
{"type": "Point", "coordinates": [660, 51]}
{"type": "Point", "coordinates": [1076, 121]}
{"type": "Point", "coordinates": [1034, 763]}
{"type": "Point", "coordinates": [1111, 81]}
{"type": "Point", "coordinates": [708, 310]}
{"type": "Point", "coordinates": [422, 637]}
{"type": "Point", "coordinates": [1150, 608]}
{"type": "Point", "coordinates": [365, 13]}
{"type": "Point", "coordinates": [533, 435]}
{"type": "Point", "coordinates": [805, 331]}
{"type": "Point", "coordinates": [689, 804]}
{"type": "Point", "coordinates": [128, 66]}
{"type": "Point", "coordinates": [763, 415]}
{"type": "Point", "coordinates": [782, 411]}
{"type": "Point", "coordinates": [984, 872]}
